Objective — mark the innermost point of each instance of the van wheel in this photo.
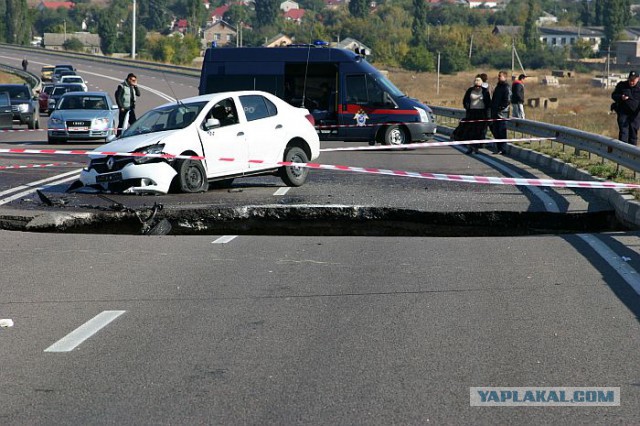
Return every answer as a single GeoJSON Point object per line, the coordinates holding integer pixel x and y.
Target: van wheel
{"type": "Point", "coordinates": [191, 176]}
{"type": "Point", "coordinates": [394, 135]}
{"type": "Point", "coordinates": [294, 175]}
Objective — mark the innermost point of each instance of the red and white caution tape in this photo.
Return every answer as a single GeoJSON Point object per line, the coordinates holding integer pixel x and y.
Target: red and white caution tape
{"type": "Point", "coordinates": [36, 166]}
{"type": "Point", "coordinates": [430, 144]}
{"type": "Point", "coordinates": [367, 170]}
{"type": "Point", "coordinates": [85, 152]}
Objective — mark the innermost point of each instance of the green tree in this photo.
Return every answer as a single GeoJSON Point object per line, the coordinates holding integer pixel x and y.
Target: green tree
{"type": "Point", "coordinates": [614, 20]}
{"type": "Point", "coordinates": [419, 58]}
{"type": "Point", "coordinates": [73, 44]}
{"type": "Point", "coordinates": [530, 36]}
{"type": "Point", "coordinates": [156, 17]}
{"type": "Point", "coordinates": [267, 12]}
{"type": "Point", "coordinates": [598, 14]}
{"type": "Point", "coordinates": [358, 8]}
{"type": "Point", "coordinates": [18, 28]}
{"type": "Point", "coordinates": [108, 30]}
{"type": "Point", "coordinates": [419, 25]}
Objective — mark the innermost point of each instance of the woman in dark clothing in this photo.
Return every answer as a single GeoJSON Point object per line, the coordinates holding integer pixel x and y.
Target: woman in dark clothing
{"type": "Point", "coordinates": [477, 104]}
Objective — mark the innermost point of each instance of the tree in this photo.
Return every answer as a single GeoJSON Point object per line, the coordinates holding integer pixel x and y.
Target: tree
{"type": "Point", "coordinates": [419, 59]}
{"type": "Point", "coordinates": [107, 30]}
{"type": "Point", "coordinates": [267, 12]}
{"type": "Point", "coordinates": [614, 19]}
{"type": "Point", "coordinates": [73, 44]}
{"type": "Point", "coordinates": [418, 33]}
{"type": "Point", "coordinates": [157, 17]}
{"type": "Point", "coordinates": [598, 14]}
{"type": "Point", "coordinates": [530, 37]}
{"type": "Point", "coordinates": [17, 22]}
{"type": "Point", "coordinates": [358, 8]}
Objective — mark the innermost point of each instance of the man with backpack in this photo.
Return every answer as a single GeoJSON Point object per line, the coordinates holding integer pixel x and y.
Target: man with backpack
{"type": "Point", "coordinates": [126, 95]}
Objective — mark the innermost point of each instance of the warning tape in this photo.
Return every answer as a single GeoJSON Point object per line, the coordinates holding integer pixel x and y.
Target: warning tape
{"type": "Point", "coordinates": [37, 166]}
{"type": "Point", "coordinates": [336, 126]}
{"type": "Point", "coordinates": [367, 170]}
{"type": "Point", "coordinates": [431, 144]}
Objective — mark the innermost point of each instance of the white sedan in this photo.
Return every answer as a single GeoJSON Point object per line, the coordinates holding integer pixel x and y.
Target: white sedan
{"type": "Point", "coordinates": [239, 134]}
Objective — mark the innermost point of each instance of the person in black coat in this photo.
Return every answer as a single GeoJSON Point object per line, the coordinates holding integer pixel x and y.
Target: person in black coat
{"type": "Point", "coordinates": [477, 104]}
{"type": "Point", "coordinates": [626, 98]}
{"type": "Point", "coordinates": [500, 110]}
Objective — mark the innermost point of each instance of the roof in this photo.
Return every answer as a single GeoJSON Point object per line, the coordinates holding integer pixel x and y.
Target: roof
{"type": "Point", "coordinates": [506, 29]}
{"type": "Point", "coordinates": [182, 23]}
{"type": "Point", "coordinates": [57, 4]}
{"type": "Point", "coordinates": [220, 11]}
{"type": "Point", "coordinates": [348, 43]}
{"type": "Point", "coordinates": [295, 14]}
{"type": "Point", "coordinates": [582, 31]}
{"type": "Point", "coordinates": [58, 39]}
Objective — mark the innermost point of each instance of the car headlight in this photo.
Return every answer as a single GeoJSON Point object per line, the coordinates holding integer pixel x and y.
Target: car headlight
{"type": "Point", "coordinates": [151, 149]}
{"type": "Point", "coordinates": [100, 123]}
{"type": "Point", "coordinates": [424, 117]}
{"type": "Point", "coordinates": [23, 107]}
{"type": "Point", "coordinates": [55, 121]}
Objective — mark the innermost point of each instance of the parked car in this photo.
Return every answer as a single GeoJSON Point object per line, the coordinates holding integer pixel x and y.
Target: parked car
{"type": "Point", "coordinates": [59, 90]}
{"type": "Point", "coordinates": [43, 97]}
{"type": "Point", "coordinates": [24, 104]}
{"type": "Point", "coordinates": [73, 79]}
{"type": "Point", "coordinates": [59, 73]}
{"type": "Point", "coordinates": [46, 72]}
{"type": "Point", "coordinates": [6, 115]}
{"type": "Point", "coordinates": [83, 115]}
{"type": "Point", "coordinates": [246, 125]}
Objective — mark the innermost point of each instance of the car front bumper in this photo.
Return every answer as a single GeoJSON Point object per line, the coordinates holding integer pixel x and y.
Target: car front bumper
{"type": "Point", "coordinates": [133, 178]}
{"type": "Point", "coordinates": [80, 134]}
{"type": "Point", "coordinates": [421, 131]}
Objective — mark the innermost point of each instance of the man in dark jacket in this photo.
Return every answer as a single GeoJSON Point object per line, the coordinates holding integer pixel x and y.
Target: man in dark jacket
{"type": "Point", "coordinates": [627, 104]}
{"type": "Point", "coordinates": [126, 95]}
{"type": "Point", "coordinates": [500, 110]}
{"type": "Point", "coordinates": [517, 97]}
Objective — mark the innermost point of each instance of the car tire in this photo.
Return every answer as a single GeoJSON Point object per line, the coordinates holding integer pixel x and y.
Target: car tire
{"type": "Point", "coordinates": [191, 176]}
{"type": "Point", "coordinates": [394, 135]}
{"type": "Point", "coordinates": [294, 175]}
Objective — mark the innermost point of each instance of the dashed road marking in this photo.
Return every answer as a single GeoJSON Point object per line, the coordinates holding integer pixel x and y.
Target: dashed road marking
{"type": "Point", "coordinates": [224, 239]}
{"type": "Point", "coordinates": [85, 331]}
{"type": "Point", "coordinates": [282, 191]}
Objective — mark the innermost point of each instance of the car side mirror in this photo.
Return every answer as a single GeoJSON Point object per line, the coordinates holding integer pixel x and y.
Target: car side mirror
{"type": "Point", "coordinates": [211, 123]}
{"type": "Point", "coordinates": [114, 107]}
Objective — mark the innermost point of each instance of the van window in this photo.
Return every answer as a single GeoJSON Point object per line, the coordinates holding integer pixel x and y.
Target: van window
{"type": "Point", "coordinates": [255, 107]}
{"type": "Point", "coordinates": [364, 90]}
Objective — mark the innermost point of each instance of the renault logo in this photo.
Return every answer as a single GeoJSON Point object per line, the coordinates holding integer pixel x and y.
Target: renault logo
{"type": "Point", "coordinates": [110, 163]}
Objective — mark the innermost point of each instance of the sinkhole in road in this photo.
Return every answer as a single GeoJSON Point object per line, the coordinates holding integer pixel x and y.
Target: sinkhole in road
{"type": "Point", "coordinates": [337, 221]}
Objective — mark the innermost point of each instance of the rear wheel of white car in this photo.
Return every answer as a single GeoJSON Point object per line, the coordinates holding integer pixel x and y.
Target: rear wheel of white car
{"type": "Point", "coordinates": [191, 176]}
{"type": "Point", "coordinates": [294, 175]}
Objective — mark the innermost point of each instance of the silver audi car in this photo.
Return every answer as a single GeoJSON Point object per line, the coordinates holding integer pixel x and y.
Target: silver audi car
{"type": "Point", "coordinates": [83, 116]}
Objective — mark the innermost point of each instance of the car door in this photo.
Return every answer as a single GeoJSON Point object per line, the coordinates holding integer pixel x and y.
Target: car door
{"type": "Point", "coordinates": [224, 146]}
{"type": "Point", "coordinates": [266, 131]}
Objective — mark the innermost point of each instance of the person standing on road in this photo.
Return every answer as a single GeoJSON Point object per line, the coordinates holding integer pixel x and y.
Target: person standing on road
{"type": "Point", "coordinates": [126, 95]}
{"type": "Point", "coordinates": [626, 98]}
{"type": "Point", "coordinates": [517, 97]}
{"type": "Point", "coordinates": [25, 64]}
{"type": "Point", "coordinates": [477, 104]}
{"type": "Point", "coordinates": [500, 110]}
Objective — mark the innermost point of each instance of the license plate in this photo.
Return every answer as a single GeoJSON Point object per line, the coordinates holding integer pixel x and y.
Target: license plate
{"type": "Point", "coordinates": [111, 177]}
{"type": "Point", "coordinates": [78, 129]}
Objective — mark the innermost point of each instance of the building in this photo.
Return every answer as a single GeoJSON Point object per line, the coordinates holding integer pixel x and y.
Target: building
{"type": "Point", "coordinates": [287, 5]}
{"type": "Point", "coordinates": [221, 32]}
{"type": "Point", "coordinates": [53, 5]}
{"type": "Point", "coordinates": [279, 40]}
{"type": "Point", "coordinates": [485, 4]}
{"type": "Point", "coordinates": [567, 36]}
{"type": "Point", "coordinates": [546, 19]}
{"type": "Point", "coordinates": [55, 41]}
{"type": "Point", "coordinates": [294, 15]}
{"type": "Point", "coordinates": [350, 44]}
{"type": "Point", "coordinates": [510, 30]}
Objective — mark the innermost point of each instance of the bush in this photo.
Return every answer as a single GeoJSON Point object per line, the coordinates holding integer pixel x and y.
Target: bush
{"type": "Point", "coordinates": [73, 44]}
{"type": "Point", "coordinates": [419, 59]}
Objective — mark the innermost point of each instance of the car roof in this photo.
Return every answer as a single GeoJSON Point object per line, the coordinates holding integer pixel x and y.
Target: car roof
{"type": "Point", "coordinates": [86, 94]}
{"type": "Point", "coordinates": [222, 95]}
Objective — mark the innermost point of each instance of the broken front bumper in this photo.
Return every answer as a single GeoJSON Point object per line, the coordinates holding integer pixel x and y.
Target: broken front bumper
{"type": "Point", "coordinates": [132, 178]}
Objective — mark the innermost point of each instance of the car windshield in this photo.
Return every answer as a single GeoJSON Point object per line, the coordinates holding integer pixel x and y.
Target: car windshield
{"type": "Point", "coordinates": [388, 86]}
{"type": "Point", "coordinates": [83, 102]}
{"type": "Point", "coordinates": [16, 92]}
{"type": "Point", "coordinates": [59, 91]}
{"type": "Point", "coordinates": [171, 117]}
{"type": "Point", "coordinates": [72, 79]}
{"type": "Point", "coordinates": [47, 89]}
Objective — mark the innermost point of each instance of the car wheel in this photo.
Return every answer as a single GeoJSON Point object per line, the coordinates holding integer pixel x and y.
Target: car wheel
{"type": "Point", "coordinates": [294, 175]}
{"type": "Point", "coordinates": [394, 135]}
{"type": "Point", "coordinates": [191, 176]}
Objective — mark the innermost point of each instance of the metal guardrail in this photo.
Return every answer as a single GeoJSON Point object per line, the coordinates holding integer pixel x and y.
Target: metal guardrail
{"type": "Point", "coordinates": [173, 69]}
{"type": "Point", "coordinates": [621, 153]}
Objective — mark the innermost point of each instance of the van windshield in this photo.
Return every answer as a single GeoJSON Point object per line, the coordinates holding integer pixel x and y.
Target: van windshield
{"type": "Point", "coordinates": [387, 85]}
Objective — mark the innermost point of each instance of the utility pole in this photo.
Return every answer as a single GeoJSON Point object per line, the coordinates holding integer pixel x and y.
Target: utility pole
{"type": "Point", "coordinates": [438, 81]}
{"type": "Point", "coordinates": [470, 46]}
{"type": "Point", "coordinates": [133, 32]}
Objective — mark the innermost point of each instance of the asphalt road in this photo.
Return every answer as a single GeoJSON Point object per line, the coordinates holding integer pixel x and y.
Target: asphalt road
{"type": "Point", "coordinates": [252, 329]}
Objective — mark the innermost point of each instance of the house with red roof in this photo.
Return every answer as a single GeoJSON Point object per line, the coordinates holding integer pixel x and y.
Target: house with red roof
{"type": "Point", "coordinates": [218, 13]}
{"type": "Point", "coordinates": [53, 5]}
{"type": "Point", "coordinates": [294, 15]}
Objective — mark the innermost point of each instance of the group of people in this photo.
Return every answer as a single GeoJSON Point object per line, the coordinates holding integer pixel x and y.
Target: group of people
{"type": "Point", "coordinates": [483, 107]}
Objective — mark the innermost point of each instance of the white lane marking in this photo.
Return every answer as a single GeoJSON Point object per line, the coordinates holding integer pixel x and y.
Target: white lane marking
{"type": "Point", "coordinates": [282, 191]}
{"type": "Point", "coordinates": [38, 182]}
{"type": "Point", "coordinates": [623, 269]}
{"type": "Point", "coordinates": [82, 333]}
{"type": "Point", "coordinates": [34, 188]}
{"type": "Point", "coordinates": [224, 239]}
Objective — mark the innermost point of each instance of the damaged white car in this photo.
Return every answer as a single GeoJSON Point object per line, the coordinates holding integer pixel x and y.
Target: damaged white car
{"type": "Point", "coordinates": [251, 131]}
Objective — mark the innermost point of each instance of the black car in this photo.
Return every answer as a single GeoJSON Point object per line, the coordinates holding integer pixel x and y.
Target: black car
{"type": "Point", "coordinates": [24, 104]}
{"type": "Point", "coordinates": [59, 90]}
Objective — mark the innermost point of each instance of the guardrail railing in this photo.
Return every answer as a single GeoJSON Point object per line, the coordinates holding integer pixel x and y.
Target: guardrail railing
{"type": "Point", "coordinates": [621, 153]}
{"type": "Point", "coordinates": [32, 79]}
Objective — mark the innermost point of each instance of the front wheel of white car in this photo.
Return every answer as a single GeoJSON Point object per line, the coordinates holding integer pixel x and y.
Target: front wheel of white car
{"type": "Point", "coordinates": [294, 175]}
{"type": "Point", "coordinates": [191, 176]}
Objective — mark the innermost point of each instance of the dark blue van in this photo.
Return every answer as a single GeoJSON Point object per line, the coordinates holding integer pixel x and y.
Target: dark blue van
{"type": "Point", "coordinates": [349, 98]}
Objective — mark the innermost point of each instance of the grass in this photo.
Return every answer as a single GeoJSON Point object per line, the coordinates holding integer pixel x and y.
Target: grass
{"type": "Point", "coordinates": [6, 78]}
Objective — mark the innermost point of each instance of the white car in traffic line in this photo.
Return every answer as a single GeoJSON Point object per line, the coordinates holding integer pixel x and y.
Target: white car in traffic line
{"type": "Point", "coordinates": [74, 79]}
{"type": "Point", "coordinates": [251, 131]}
